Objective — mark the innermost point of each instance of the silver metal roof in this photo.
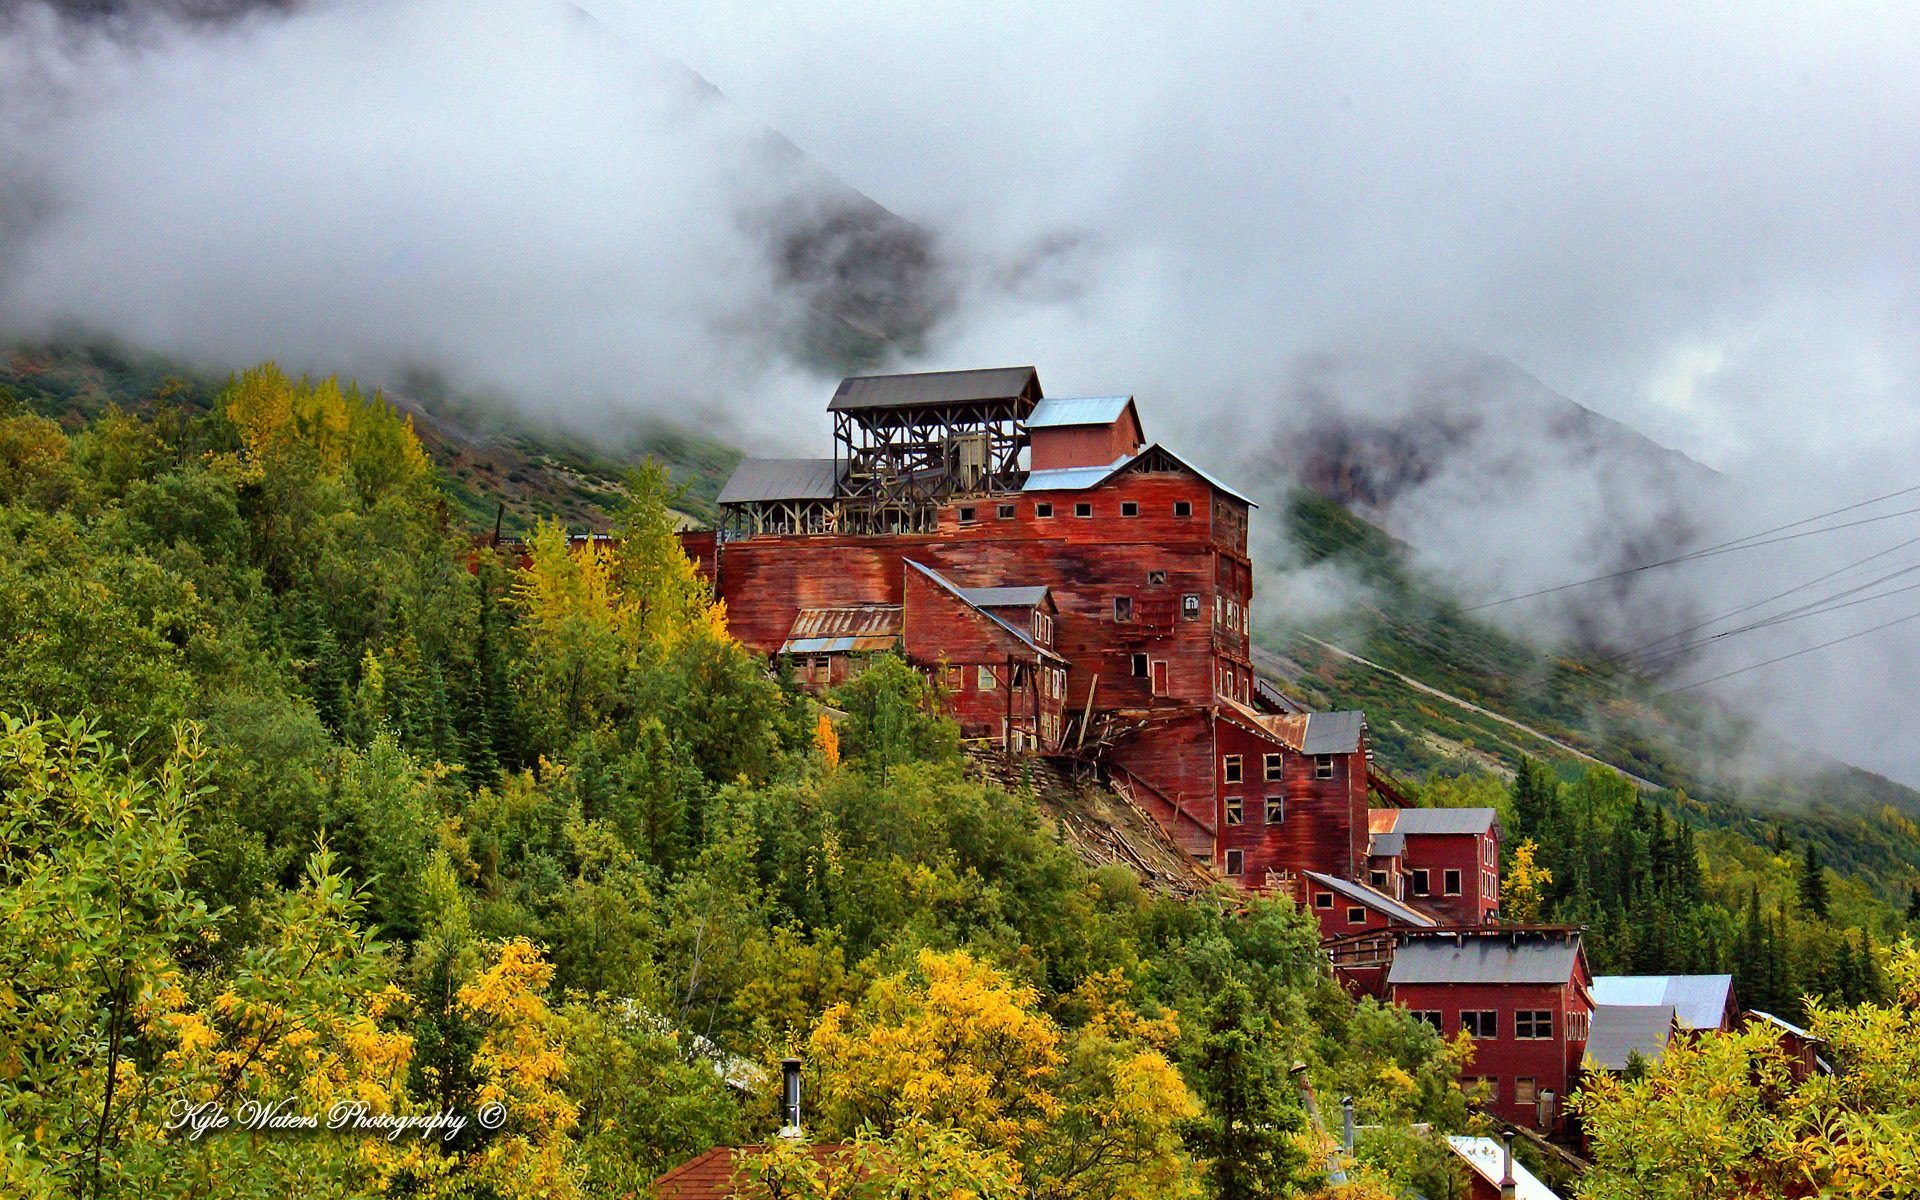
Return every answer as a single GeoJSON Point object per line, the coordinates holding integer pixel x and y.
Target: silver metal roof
{"type": "Point", "coordinates": [935, 388]}
{"type": "Point", "coordinates": [1333, 733]}
{"type": "Point", "coordinates": [1006, 597]}
{"type": "Point", "coordinates": [1443, 820]}
{"type": "Point", "coordinates": [1476, 958]}
{"type": "Point", "coordinates": [1077, 410]}
{"type": "Point", "coordinates": [843, 630]}
{"type": "Point", "coordinates": [1387, 845]}
{"type": "Point", "coordinates": [1360, 893]}
{"type": "Point", "coordinates": [1487, 1158]}
{"type": "Point", "coordinates": [1700, 1000]}
{"type": "Point", "coordinates": [1789, 1026]}
{"type": "Point", "coordinates": [1621, 1030]}
{"type": "Point", "coordinates": [1071, 479]}
{"type": "Point", "coordinates": [779, 479]}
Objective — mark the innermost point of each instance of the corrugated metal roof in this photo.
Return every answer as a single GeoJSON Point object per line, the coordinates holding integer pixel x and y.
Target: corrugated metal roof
{"type": "Point", "coordinates": [1789, 1026]}
{"type": "Point", "coordinates": [1387, 845]}
{"type": "Point", "coordinates": [1006, 597]}
{"type": "Point", "coordinates": [1071, 479]}
{"type": "Point", "coordinates": [1487, 1159]}
{"type": "Point", "coordinates": [1474, 958]}
{"type": "Point", "coordinates": [1435, 820]}
{"type": "Point", "coordinates": [1333, 733]}
{"type": "Point", "coordinates": [1077, 410]}
{"type": "Point", "coordinates": [861, 627]}
{"type": "Point", "coordinates": [1621, 1030]}
{"type": "Point", "coordinates": [934, 388]}
{"type": "Point", "coordinates": [1360, 893]}
{"type": "Point", "coordinates": [780, 479]}
{"type": "Point", "coordinates": [1700, 1000]}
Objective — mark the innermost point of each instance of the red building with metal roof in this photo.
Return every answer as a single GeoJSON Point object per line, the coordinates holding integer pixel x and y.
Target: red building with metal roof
{"type": "Point", "coordinates": [1525, 997]}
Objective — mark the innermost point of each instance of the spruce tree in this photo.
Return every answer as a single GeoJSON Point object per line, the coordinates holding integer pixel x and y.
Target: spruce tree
{"type": "Point", "coordinates": [1913, 905]}
{"type": "Point", "coordinates": [1247, 1133]}
{"type": "Point", "coordinates": [1813, 884]}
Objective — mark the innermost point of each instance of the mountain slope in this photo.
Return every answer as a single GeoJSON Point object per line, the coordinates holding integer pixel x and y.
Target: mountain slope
{"type": "Point", "coordinates": [1408, 632]}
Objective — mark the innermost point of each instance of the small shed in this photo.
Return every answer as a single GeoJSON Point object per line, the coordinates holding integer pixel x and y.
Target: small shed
{"type": "Point", "coordinates": [1485, 1159]}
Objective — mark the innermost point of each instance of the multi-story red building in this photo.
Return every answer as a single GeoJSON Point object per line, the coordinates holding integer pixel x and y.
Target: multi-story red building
{"type": "Point", "coordinates": [1446, 860]}
{"type": "Point", "coordinates": [1525, 997]}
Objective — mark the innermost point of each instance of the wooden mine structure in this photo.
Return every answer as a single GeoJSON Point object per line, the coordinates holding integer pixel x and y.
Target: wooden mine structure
{"type": "Point", "coordinates": [1082, 594]}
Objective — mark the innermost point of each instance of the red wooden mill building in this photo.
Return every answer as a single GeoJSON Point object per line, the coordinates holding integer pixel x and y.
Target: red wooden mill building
{"type": "Point", "coordinates": [1077, 591]}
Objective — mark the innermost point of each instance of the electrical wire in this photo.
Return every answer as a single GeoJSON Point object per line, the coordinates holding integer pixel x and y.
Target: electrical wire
{"type": "Point", "coordinates": [1915, 615]}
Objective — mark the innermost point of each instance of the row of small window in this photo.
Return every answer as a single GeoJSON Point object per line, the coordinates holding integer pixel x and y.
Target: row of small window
{"type": "Point", "coordinates": [970, 514]}
{"type": "Point", "coordinates": [1483, 1024]}
{"type": "Point", "coordinates": [1356, 914]}
{"type": "Point", "coordinates": [1275, 810]}
{"type": "Point", "coordinates": [1485, 1089]}
{"type": "Point", "coordinates": [1422, 882]}
{"type": "Point", "coordinates": [1274, 766]}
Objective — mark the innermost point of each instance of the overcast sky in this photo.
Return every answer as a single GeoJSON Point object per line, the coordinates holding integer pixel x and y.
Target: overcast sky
{"type": "Point", "coordinates": [1702, 223]}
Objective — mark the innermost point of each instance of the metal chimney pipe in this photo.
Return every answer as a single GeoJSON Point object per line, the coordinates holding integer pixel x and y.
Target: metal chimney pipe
{"type": "Point", "coordinates": [1346, 1104]}
{"type": "Point", "coordinates": [1507, 1186]}
{"type": "Point", "coordinates": [1299, 1072]}
{"type": "Point", "coordinates": [790, 1097]}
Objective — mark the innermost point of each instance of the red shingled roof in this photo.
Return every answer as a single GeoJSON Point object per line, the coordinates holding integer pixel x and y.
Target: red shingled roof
{"type": "Point", "coordinates": [710, 1176]}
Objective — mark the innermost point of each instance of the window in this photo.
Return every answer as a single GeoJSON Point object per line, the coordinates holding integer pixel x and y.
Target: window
{"type": "Point", "coordinates": [1004, 512]}
{"type": "Point", "coordinates": [1452, 883]}
{"type": "Point", "coordinates": [1231, 763]}
{"type": "Point", "coordinates": [1156, 579]}
{"type": "Point", "coordinates": [1236, 861]}
{"type": "Point", "coordinates": [1275, 766]}
{"type": "Point", "coordinates": [1420, 882]}
{"type": "Point", "coordinates": [1430, 1015]}
{"type": "Point", "coordinates": [1139, 666]}
{"type": "Point", "coordinates": [1123, 608]}
{"type": "Point", "coordinates": [821, 671]}
{"type": "Point", "coordinates": [1323, 766]}
{"type": "Point", "coordinates": [1378, 879]}
{"type": "Point", "coordinates": [1481, 1024]}
{"type": "Point", "coordinates": [1083, 509]}
{"type": "Point", "coordinates": [1533, 1023]}
{"type": "Point", "coordinates": [1525, 1091]}
{"type": "Point", "coordinates": [1129, 508]}
{"type": "Point", "coordinates": [1323, 899]}
{"type": "Point", "coordinates": [1043, 510]}
{"type": "Point", "coordinates": [1481, 1089]}
{"type": "Point", "coordinates": [1356, 915]}
{"type": "Point", "coordinates": [1276, 810]}
{"type": "Point", "coordinates": [1236, 810]}
{"type": "Point", "coordinates": [1486, 851]}
{"type": "Point", "coordinates": [984, 679]}
{"type": "Point", "coordinates": [1190, 607]}
{"type": "Point", "coordinates": [1577, 1026]}
{"type": "Point", "coordinates": [1183, 508]}
{"type": "Point", "coordinates": [966, 514]}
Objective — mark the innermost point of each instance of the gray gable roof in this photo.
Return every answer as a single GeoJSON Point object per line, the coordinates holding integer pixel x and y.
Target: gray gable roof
{"type": "Point", "coordinates": [1444, 820]}
{"type": "Point", "coordinates": [1699, 1000]}
{"type": "Point", "coordinates": [1333, 733]}
{"type": "Point", "coordinates": [780, 479]}
{"type": "Point", "coordinates": [1621, 1030]}
{"type": "Point", "coordinates": [1474, 958]}
{"type": "Point", "coordinates": [935, 388]}
{"type": "Point", "coordinates": [1006, 597]}
{"type": "Point", "coordinates": [1360, 893]}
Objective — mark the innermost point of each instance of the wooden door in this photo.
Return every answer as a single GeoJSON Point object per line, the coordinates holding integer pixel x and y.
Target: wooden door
{"type": "Point", "coordinates": [1159, 676]}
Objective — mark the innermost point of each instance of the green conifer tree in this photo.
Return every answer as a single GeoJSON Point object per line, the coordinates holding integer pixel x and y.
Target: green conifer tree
{"type": "Point", "coordinates": [1813, 884]}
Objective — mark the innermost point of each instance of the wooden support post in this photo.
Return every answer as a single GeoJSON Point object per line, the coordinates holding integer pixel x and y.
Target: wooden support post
{"type": "Point", "coordinates": [1086, 718]}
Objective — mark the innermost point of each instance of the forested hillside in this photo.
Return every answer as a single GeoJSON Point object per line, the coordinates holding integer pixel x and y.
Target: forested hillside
{"type": "Point", "coordinates": [1788, 883]}
{"type": "Point", "coordinates": [305, 798]}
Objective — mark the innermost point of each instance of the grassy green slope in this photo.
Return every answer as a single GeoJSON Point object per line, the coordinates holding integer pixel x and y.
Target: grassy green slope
{"type": "Point", "coordinates": [1865, 824]}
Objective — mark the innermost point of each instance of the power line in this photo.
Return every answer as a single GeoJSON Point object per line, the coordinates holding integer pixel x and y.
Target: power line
{"type": "Point", "coordinates": [1818, 609]}
{"type": "Point", "coordinates": [1796, 654]}
{"type": "Point", "coordinates": [1745, 543]}
{"type": "Point", "coordinates": [1747, 608]}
